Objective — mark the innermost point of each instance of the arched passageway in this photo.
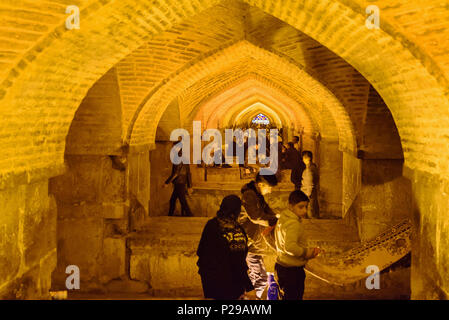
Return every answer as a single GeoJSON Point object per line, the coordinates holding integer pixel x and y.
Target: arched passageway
{"type": "Point", "coordinates": [86, 107]}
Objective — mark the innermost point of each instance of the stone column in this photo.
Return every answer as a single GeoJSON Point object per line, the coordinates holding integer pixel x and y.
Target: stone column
{"type": "Point", "coordinates": [27, 234]}
{"type": "Point", "coordinates": [330, 167]}
{"type": "Point", "coordinates": [93, 219]}
{"type": "Point", "coordinates": [430, 242]}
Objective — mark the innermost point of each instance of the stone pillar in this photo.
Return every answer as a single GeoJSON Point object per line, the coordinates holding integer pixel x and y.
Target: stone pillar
{"type": "Point", "coordinates": [92, 220]}
{"type": "Point", "coordinates": [138, 175]}
{"type": "Point", "coordinates": [351, 180]}
{"type": "Point", "coordinates": [430, 242]}
{"type": "Point", "coordinates": [385, 197]}
{"type": "Point", "coordinates": [331, 176]}
{"type": "Point", "coordinates": [27, 235]}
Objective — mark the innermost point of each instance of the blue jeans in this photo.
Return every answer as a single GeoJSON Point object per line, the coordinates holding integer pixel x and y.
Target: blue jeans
{"type": "Point", "coordinates": [257, 273]}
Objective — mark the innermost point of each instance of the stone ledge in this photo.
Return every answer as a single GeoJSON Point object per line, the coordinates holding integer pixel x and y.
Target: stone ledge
{"type": "Point", "coordinates": [13, 179]}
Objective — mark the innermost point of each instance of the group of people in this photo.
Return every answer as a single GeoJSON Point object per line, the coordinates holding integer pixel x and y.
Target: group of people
{"type": "Point", "coordinates": [304, 172]}
{"type": "Point", "coordinates": [304, 175]}
{"type": "Point", "coordinates": [233, 244]}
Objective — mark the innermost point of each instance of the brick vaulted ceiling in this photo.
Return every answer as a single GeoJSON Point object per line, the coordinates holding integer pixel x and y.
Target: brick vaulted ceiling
{"type": "Point", "coordinates": [47, 70]}
{"type": "Point", "coordinates": [246, 57]}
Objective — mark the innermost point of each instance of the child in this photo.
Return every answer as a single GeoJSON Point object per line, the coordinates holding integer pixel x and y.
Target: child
{"type": "Point", "coordinates": [292, 252]}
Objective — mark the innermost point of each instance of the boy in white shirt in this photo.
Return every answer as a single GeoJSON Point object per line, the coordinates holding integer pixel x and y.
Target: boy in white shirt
{"type": "Point", "coordinates": [291, 246]}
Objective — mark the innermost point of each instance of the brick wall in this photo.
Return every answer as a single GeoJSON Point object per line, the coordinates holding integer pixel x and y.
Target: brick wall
{"type": "Point", "coordinates": [97, 125]}
{"type": "Point", "coordinates": [144, 127]}
{"type": "Point", "coordinates": [365, 53]}
{"type": "Point", "coordinates": [380, 137]}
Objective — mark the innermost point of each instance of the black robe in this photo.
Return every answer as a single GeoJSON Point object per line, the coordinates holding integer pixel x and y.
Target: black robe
{"type": "Point", "coordinates": [222, 260]}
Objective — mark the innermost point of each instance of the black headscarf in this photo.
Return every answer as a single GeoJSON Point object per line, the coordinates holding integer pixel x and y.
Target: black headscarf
{"type": "Point", "coordinates": [230, 207]}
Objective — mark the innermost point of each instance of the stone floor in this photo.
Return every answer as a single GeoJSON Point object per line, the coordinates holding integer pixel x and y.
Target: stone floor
{"type": "Point", "coordinates": [123, 296]}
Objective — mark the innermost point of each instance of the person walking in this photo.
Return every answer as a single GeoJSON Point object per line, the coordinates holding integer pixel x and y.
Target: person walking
{"type": "Point", "coordinates": [181, 179]}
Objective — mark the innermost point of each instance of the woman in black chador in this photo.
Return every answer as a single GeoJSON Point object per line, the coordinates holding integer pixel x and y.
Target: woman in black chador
{"type": "Point", "coordinates": [222, 254]}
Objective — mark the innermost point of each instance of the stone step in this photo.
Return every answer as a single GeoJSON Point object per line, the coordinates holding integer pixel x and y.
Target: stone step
{"type": "Point", "coordinates": [190, 229]}
{"type": "Point", "coordinates": [237, 185]}
{"type": "Point", "coordinates": [185, 227]}
{"type": "Point", "coordinates": [231, 179]}
{"type": "Point", "coordinates": [163, 251]}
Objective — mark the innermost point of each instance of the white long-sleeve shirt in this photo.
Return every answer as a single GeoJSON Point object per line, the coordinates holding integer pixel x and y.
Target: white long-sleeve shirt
{"type": "Point", "coordinates": [309, 179]}
{"type": "Point", "coordinates": [291, 244]}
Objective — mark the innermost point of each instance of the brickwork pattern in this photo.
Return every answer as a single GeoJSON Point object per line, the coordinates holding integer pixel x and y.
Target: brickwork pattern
{"type": "Point", "coordinates": [241, 56]}
{"type": "Point", "coordinates": [411, 74]}
{"type": "Point", "coordinates": [225, 105]}
{"type": "Point", "coordinates": [97, 125]}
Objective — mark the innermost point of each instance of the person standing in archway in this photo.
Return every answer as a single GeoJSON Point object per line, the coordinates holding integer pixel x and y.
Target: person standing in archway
{"type": "Point", "coordinates": [182, 184]}
{"type": "Point", "coordinates": [310, 184]}
{"type": "Point", "coordinates": [294, 162]}
{"type": "Point", "coordinates": [297, 144]}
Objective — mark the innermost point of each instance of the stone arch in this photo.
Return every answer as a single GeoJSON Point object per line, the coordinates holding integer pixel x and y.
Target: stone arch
{"type": "Point", "coordinates": [55, 59]}
{"type": "Point", "coordinates": [249, 90]}
{"type": "Point", "coordinates": [146, 121]}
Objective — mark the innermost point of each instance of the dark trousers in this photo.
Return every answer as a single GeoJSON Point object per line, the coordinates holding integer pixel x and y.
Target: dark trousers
{"type": "Point", "coordinates": [296, 178]}
{"type": "Point", "coordinates": [215, 288]}
{"type": "Point", "coordinates": [291, 281]}
{"type": "Point", "coordinates": [313, 209]}
{"type": "Point", "coordinates": [179, 192]}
